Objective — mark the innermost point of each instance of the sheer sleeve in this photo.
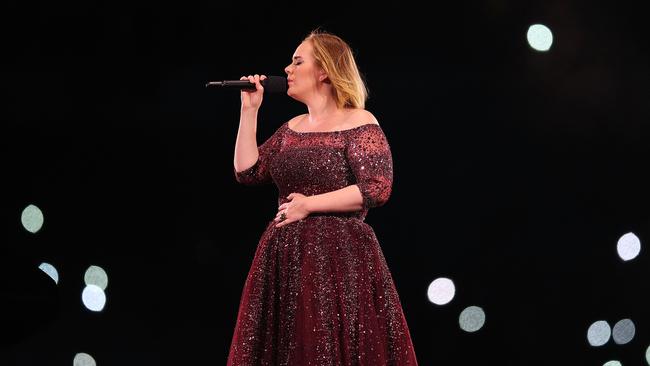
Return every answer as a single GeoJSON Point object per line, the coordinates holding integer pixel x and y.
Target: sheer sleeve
{"type": "Point", "coordinates": [371, 162]}
{"type": "Point", "coordinates": [259, 173]}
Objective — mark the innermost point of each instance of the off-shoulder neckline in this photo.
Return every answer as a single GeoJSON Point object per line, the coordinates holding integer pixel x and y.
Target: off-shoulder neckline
{"type": "Point", "coordinates": [324, 132]}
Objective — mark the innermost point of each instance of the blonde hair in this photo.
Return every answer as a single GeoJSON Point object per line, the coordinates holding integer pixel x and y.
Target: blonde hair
{"type": "Point", "coordinates": [335, 57]}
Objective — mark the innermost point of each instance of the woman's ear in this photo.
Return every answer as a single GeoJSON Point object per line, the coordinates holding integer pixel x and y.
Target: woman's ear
{"type": "Point", "coordinates": [322, 77]}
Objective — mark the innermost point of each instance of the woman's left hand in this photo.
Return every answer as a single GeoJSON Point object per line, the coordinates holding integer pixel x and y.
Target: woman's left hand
{"type": "Point", "coordinates": [294, 210]}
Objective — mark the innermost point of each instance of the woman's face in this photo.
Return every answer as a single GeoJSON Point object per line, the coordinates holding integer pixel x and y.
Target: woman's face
{"type": "Point", "coordinates": [303, 75]}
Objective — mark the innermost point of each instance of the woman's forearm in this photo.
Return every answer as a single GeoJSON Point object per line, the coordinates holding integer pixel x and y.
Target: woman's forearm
{"type": "Point", "coordinates": [246, 152]}
{"type": "Point", "coordinates": [343, 200]}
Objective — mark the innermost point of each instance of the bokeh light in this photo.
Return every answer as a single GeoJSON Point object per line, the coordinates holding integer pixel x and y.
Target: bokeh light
{"type": "Point", "coordinates": [50, 270]}
{"type": "Point", "coordinates": [96, 275]}
{"type": "Point", "coordinates": [612, 363]}
{"type": "Point", "coordinates": [540, 38]}
{"type": "Point", "coordinates": [472, 319]}
{"type": "Point", "coordinates": [93, 298]}
{"type": "Point", "coordinates": [598, 333]}
{"type": "Point", "coordinates": [83, 359]}
{"type": "Point", "coordinates": [623, 331]}
{"type": "Point", "coordinates": [628, 246]}
{"type": "Point", "coordinates": [32, 219]}
{"type": "Point", "coordinates": [441, 291]}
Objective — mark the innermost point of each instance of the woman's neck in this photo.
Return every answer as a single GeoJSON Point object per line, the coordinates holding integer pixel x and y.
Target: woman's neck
{"type": "Point", "coordinates": [323, 111]}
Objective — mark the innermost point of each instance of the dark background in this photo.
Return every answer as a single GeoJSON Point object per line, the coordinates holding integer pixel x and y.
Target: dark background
{"type": "Point", "coordinates": [516, 172]}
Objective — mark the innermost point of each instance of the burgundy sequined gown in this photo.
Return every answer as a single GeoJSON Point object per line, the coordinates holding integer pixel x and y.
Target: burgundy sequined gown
{"type": "Point", "coordinates": [319, 291]}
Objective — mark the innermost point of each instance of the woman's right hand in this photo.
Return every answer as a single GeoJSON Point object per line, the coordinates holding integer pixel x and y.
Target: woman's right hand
{"type": "Point", "coordinates": [252, 98]}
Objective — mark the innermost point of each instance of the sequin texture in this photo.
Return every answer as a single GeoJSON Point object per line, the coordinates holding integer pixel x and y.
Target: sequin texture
{"type": "Point", "coordinates": [319, 291]}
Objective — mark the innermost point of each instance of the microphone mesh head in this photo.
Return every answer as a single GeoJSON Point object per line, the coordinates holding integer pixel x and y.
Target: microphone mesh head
{"type": "Point", "coordinates": [275, 84]}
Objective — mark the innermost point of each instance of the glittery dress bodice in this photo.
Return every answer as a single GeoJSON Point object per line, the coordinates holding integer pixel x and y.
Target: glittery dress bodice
{"type": "Point", "coordinates": [319, 162]}
{"type": "Point", "coordinates": [319, 291]}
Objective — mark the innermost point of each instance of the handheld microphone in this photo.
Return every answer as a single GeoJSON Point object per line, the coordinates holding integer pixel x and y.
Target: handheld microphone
{"type": "Point", "coordinates": [272, 84]}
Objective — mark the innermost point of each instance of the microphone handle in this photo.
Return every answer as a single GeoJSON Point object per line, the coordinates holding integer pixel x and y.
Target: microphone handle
{"type": "Point", "coordinates": [272, 84]}
{"type": "Point", "coordinates": [238, 84]}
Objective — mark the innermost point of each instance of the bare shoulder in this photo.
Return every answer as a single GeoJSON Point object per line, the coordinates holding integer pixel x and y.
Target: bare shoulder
{"type": "Point", "coordinates": [295, 120]}
{"type": "Point", "coordinates": [359, 117]}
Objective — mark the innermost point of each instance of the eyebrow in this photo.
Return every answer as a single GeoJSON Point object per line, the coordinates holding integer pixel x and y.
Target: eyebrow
{"type": "Point", "coordinates": [296, 57]}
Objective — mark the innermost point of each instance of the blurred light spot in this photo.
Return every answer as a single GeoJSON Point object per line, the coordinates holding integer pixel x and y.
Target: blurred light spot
{"type": "Point", "coordinates": [623, 331]}
{"type": "Point", "coordinates": [96, 275]}
{"type": "Point", "coordinates": [50, 270]}
{"type": "Point", "coordinates": [441, 291]}
{"type": "Point", "coordinates": [612, 363]}
{"type": "Point", "coordinates": [472, 319]}
{"type": "Point", "coordinates": [628, 246]}
{"type": "Point", "coordinates": [32, 218]}
{"type": "Point", "coordinates": [94, 298]}
{"type": "Point", "coordinates": [539, 37]}
{"type": "Point", "coordinates": [598, 333]}
{"type": "Point", "coordinates": [83, 359]}
{"type": "Point", "coordinates": [647, 355]}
